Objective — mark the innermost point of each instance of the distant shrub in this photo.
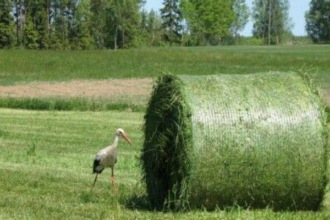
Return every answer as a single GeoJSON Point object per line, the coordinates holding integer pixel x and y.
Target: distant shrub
{"type": "Point", "coordinates": [251, 41]}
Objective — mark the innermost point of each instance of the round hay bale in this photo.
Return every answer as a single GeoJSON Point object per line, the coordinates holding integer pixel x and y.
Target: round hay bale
{"type": "Point", "coordinates": [255, 141]}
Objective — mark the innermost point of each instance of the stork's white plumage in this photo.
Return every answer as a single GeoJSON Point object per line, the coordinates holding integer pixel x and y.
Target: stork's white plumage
{"type": "Point", "coordinates": [107, 157]}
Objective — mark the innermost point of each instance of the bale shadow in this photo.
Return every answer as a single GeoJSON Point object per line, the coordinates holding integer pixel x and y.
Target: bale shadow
{"type": "Point", "coordinates": [139, 202]}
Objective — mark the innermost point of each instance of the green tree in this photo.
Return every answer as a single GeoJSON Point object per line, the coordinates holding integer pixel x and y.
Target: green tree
{"type": "Point", "coordinates": [241, 16]}
{"type": "Point", "coordinates": [60, 25]}
{"type": "Point", "coordinates": [172, 21]}
{"type": "Point", "coordinates": [30, 35]}
{"type": "Point", "coordinates": [130, 23]}
{"type": "Point", "coordinates": [6, 24]}
{"type": "Point", "coordinates": [143, 31]}
{"type": "Point", "coordinates": [271, 20]}
{"type": "Point", "coordinates": [38, 21]}
{"type": "Point", "coordinates": [84, 17]}
{"type": "Point", "coordinates": [144, 18]}
{"type": "Point", "coordinates": [79, 20]}
{"type": "Point", "coordinates": [122, 23]}
{"type": "Point", "coordinates": [208, 20]}
{"type": "Point", "coordinates": [154, 28]}
{"type": "Point", "coordinates": [151, 25]}
{"type": "Point", "coordinates": [318, 21]}
{"type": "Point", "coordinates": [98, 9]}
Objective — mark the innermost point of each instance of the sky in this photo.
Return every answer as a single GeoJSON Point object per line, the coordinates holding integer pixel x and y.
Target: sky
{"type": "Point", "coordinates": [296, 13]}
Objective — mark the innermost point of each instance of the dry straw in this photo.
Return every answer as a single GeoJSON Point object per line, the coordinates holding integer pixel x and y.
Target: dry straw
{"type": "Point", "coordinates": [255, 141]}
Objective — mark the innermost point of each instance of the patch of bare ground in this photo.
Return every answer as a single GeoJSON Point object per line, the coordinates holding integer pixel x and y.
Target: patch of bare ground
{"type": "Point", "coordinates": [134, 90]}
{"type": "Point", "coordinates": [112, 89]}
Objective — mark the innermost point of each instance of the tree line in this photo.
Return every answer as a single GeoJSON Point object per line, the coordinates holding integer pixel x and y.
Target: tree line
{"type": "Point", "coordinates": [87, 24]}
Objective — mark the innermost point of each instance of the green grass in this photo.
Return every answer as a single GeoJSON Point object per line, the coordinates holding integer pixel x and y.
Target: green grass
{"type": "Point", "coordinates": [46, 170]}
{"type": "Point", "coordinates": [73, 104]}
{"type": "Point", "coordinates": [46, 163]}
{"type": "Point", "coordinates": [29, 65]}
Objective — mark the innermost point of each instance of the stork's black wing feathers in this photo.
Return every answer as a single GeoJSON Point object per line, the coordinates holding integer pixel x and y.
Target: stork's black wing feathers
{"type": "Point", "coordinates": [97, 168]}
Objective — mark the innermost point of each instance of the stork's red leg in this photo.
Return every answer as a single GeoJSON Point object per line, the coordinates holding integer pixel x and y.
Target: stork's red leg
{"type": "Point", "coordinates": [112, 179]}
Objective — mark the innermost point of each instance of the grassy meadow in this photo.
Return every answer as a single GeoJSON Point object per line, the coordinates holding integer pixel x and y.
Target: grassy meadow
{"type": "Point", "coordinates": [24, 65]}
{"type": "Point", "coordinates": [46, 156]}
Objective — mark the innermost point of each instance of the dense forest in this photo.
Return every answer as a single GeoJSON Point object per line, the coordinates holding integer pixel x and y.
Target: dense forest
{"type": "Point", "coordinates": [97, 24]}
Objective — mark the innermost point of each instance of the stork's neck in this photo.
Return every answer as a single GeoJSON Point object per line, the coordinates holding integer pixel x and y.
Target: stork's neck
{"type": "Point", "coordinates": [115, 141]}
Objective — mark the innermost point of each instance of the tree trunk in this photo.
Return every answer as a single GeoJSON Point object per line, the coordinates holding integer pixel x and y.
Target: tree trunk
{"type": "Point", "coordinates": [20, 19]}
{"type": "Point", "coordinates": [115, 38]}
{"type": "Point", "coordinates": [123, 37]}
{"type": "Point", "coordinates": [269, 20]}
{"type": "Point", "coordinates": [17, 21]}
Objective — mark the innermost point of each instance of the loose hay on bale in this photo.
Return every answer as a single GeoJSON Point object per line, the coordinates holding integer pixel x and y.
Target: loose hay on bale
{"type": "Point", "coordinates": [255, 140]}
{"type": "Point", "coordinates": [168, 139]}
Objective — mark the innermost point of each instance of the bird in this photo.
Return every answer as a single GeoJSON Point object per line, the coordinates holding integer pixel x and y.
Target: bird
{"type": "Point", "coordinates": [107, 157]}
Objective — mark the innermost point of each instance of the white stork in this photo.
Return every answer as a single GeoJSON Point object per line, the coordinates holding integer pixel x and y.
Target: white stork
{"type": "Point", "coordinates": [107, 157]}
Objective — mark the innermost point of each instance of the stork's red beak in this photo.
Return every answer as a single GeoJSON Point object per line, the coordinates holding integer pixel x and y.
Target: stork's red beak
{"type": "Point", "coordinates": [126, 138]}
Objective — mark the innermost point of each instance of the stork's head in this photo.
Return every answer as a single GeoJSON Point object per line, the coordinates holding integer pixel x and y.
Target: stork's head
{"type": "Point", "coordinates": [121, 133]}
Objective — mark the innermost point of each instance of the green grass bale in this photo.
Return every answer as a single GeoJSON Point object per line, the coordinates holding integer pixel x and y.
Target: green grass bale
{"type": "Point", "coordinates": [254, 141]}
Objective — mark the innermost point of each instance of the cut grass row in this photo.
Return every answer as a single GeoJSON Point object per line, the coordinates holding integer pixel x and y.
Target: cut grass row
{"type": "Point", "coordinates": [45, 167]}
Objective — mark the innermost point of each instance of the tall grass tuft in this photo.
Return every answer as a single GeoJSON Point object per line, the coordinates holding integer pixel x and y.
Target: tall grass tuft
{"type": "Point", "coordinates": [255, 141]}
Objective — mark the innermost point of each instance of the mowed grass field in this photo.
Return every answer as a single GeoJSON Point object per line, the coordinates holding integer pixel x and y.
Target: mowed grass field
{"type": "Point", "coordinates": [46, 170]}
{"type": "Point", "coordinates": [46, 156]}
